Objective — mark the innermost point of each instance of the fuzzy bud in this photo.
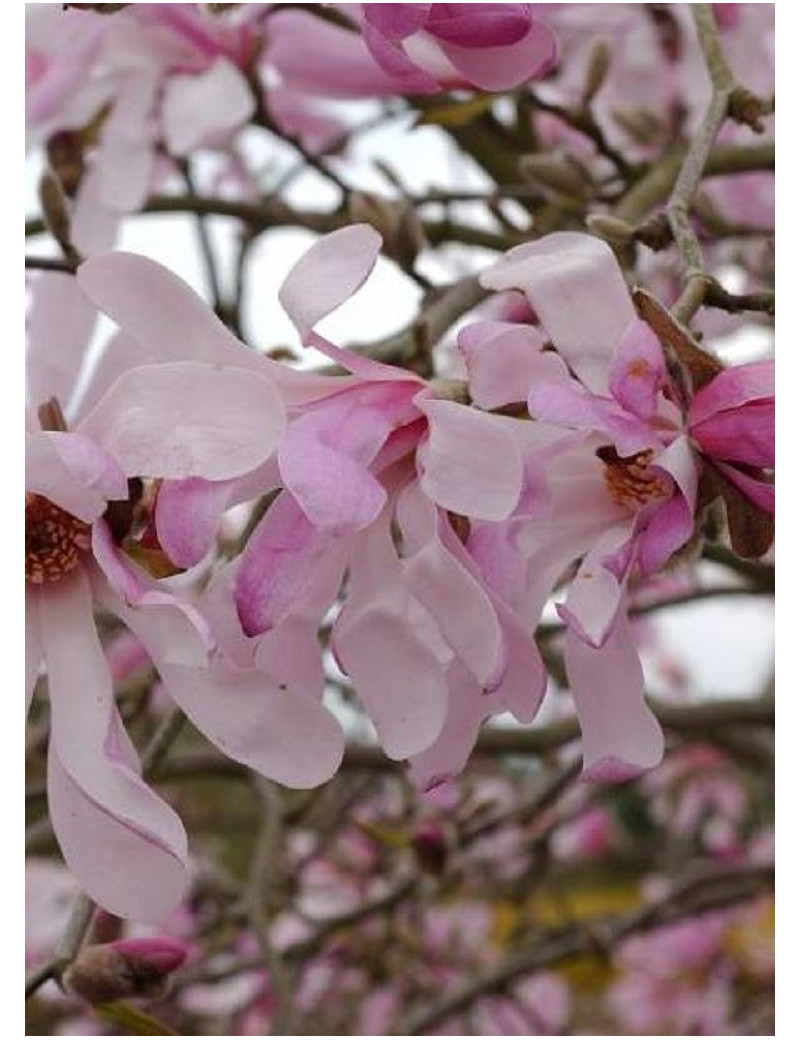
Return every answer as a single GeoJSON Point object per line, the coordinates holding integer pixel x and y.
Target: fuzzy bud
{"type": "Point", "coordinates": [612, 229]}
{"type": "Point", "coordinates": [55, 209]}
{"type": "Point", "coordinates": [596, 69]}
{"type": "Point", "coordinates": [556, 173]}
{"type": "Point", "coordinates": [121, 970]}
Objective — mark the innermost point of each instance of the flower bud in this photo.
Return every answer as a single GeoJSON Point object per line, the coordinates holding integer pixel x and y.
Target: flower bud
{"type": "Point", "coordinates": [121, 970]}
{"type": "Point", "coordinates": [556, 173]}
{"type": "Point", "coordinates": [596, 69]}
{"type": "Point", "coordinates": [612, 229]}
{"type": "Point", "coordinates": [430, 847]}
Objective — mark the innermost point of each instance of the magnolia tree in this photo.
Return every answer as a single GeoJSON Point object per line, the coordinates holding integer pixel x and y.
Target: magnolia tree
{"type": "Point", "coordinates": [351, 709]}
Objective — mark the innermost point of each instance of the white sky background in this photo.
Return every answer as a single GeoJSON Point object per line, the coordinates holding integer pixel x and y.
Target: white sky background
{"type": "Point", "coordinates": [727, 644]}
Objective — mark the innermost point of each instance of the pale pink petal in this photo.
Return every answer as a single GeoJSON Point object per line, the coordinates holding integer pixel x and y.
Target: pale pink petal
{"type": "Point", "coordinates": [322, 59]}
{"type": "Point", "coordinates": [620, 735]}
{"type": "Point", "coordinates": [471, 463]}
{"type": "Point", "coordinates": [467, 708]}
{"type": "Point", "coordinates": [188, 513]}
{"type": "Point", "coordinates": [94, 225]}
{"type": "Point", "coordinates": [120, 353]}
{"type": "Point", "coordinates": [188, 419]}
{"type": "Point", "coordinates": [182, 633]}
{"type": "Point", "coordinates": [732, 388]}
{"type": "Point", "coordinates": [158, 310]}
{"type": "Point", "coordinates": [170, 322]}
{"type": "Point", "coordinates": [290, 654]}
{"type": "Point", "coordinates": [281, 565]}
{"type": "Point", "coordinates": [504, 66]}
{"type": "Point", "coordinates": [377, 643]}
{"type": "Point", "coordinates": [317, 128]}
{"type": "Point", "coordinates": [125, 845]}
{"type": "Point", "coordinates": [60, 323]}
{"type": "Point", "coordinates": [196, 108]}
{"type": "Point", "coordinates": [575, 286]}
{"type": "Point", "coordinates": [264, 724]}
{"type": "Point", "coordinates": [595, 592]}
{"type": "Point", "coordinates": [73, 472]}
{"type": "Point", "coordinates": [502, 360]}
{"type": "Point", "coordinates": [568, 403]}
{"type": "Point", "coordinates": [462, 608]}
{"type": "Point", "coordinates": [334, 268]}
{"type": "Point", "coordinates": [34, 650]}
{"type": "Point", "coordinates": [323, 459]}
{"type": "Point", "coordinates": [638, 371]}
{"type": "Point", "coordinates": [672, 523]}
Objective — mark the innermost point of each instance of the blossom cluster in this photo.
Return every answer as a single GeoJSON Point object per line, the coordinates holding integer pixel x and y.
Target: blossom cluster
{"type": "Point", "coordinates": [451, 522]}
{"type": "Point", "coordinates": [425, 526]}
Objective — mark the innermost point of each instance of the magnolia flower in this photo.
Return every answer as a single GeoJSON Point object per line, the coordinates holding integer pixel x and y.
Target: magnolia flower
{"type": "Point", "coordinates": [184, 420]}
{"type": "Point", "coordinates": [361, 453]}
{"type": "Point", "coordinates": [617, 491]}
{"type": "Point", "coordinates": [411, 48]}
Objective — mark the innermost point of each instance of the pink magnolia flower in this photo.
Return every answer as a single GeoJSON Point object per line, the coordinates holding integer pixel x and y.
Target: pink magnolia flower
{"type": "Point", "coordinates": [411, 48]}
{"type": "Point", "coordinates": [169, 421]}
{"type": "Point", "coordinates": [361, 453]}
{"type": "Point", "coordinates": [618, 491]}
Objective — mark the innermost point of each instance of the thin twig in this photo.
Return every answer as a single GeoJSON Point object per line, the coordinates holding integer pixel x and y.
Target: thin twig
{"type": "Point", "coordinates": [691, 172]}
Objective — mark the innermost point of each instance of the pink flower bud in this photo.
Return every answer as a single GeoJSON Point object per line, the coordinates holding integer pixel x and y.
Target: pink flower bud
{"type": "Point", "coordinates": [124, 969]}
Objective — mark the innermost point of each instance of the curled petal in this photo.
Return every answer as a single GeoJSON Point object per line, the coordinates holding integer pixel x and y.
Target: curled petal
{"type": "Point", "coordinates": [396, 21]}
{"type": "Point", "coordinates": [462, 608]}
{"type": "Point", "coordinates": [323, 459]}
{"type": "Point", "coordinates": [381, 645]}
{"type": "Point", "coordinates": [270, 727]}
{"type": "Point", "coordinates": [575, 286]}
{"type": "Point", "coordinates": [188, 513]}
{"type": "Point", "coordinates": [595, 591]}
{"type": "Point", "coordinates": [672, 523]}
{"type": "Point", "coordinates": [73, 472]}
{"type": "Point", "coordinates": [188, 419]}
{"type": "Point", "coordinates": [334, 268]}
{"type": "Point", "coordinates": [503, 360]}
{"type": "Point", "coordinates": [283, 565]}
{"type": "Point", "coordinates": [467, 708]}
{"type": "Point", "coordinates": [621, 736]}
{"type": "Point", "coordinates": [125, 845]}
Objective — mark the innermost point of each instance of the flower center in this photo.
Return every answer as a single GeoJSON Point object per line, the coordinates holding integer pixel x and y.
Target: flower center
{"type": "Point", "coordinates": [54, 540]}
{"type": "Point", "coordinates": [632, 481]}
